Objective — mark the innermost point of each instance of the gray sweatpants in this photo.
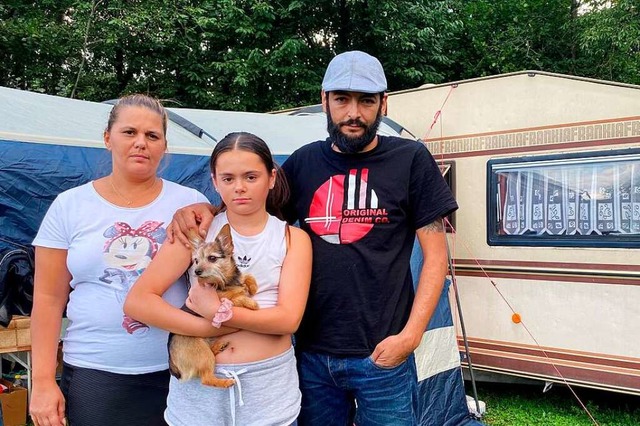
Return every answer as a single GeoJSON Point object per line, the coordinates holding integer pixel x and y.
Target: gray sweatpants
{"type": "Point", "coordinates": [266, 393]}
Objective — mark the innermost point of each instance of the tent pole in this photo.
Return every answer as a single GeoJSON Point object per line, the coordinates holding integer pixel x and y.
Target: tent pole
{"type": "Point", "coordinates": [463, 329]}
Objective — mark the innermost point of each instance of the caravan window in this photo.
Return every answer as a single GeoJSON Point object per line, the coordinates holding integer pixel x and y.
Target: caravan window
{"type": "Point", "coordinates": [570, 200]}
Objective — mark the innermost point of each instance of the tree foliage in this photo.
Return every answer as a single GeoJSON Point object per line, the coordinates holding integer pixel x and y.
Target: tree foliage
{"type": "Point", "coordinates": [36, 45]}
{"type": "Point", "coordinates": [253, 55]}
{"type": "Point", "coordinates": [591, 38]}
{"type": "Point", "coordinates": [610, 39]}
{"type": "Point", "coordinates": [511, 36]}
{"type": "Point", "coordinates": [260, 55]}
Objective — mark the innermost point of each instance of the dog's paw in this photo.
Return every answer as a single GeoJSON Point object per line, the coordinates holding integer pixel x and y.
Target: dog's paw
{"type": "Point", "coordinates": [218, 383]}
{"type": "Point", "coordinates": [227, 383]}
{"type": "Point", "coordinates": [218, 346]}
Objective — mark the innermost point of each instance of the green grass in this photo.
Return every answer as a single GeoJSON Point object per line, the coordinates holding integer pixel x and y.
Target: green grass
{"type": "Point", "coordinates": [524, 405]}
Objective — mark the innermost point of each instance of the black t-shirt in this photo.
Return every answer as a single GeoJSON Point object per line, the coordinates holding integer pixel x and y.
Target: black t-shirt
{"type": "Point", "coordinates": [361, 212]}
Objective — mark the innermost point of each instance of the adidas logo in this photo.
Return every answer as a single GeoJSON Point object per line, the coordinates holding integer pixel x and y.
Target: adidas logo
{"type": "Point", "coordinates": [243, 262]}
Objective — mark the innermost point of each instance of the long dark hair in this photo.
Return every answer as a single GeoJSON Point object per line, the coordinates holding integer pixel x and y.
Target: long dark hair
{"type": "Point", "coordinates": [244, 141]}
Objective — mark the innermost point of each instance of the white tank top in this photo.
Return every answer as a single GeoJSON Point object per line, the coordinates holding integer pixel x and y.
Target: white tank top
{"type": "Point", "coordinates": [260, 255]}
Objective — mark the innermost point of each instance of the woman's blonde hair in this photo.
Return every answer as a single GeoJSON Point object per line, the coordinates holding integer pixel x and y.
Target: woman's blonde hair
{"type": "Point", "coordinates": [138, 100]}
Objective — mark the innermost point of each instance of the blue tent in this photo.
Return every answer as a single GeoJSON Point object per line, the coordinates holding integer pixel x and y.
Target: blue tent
{"type": "Point", "coordinates": [49, 144]}
{"type": "Point", "coordinates": [442, 395]}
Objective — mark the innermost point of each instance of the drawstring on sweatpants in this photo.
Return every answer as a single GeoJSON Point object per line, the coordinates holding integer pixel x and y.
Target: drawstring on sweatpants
{"type": "Point", "coordinates": [232, 395]}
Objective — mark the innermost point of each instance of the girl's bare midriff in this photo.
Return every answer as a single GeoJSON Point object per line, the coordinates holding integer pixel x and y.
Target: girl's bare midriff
{"type": "Point", "coordinates": [247, 346]}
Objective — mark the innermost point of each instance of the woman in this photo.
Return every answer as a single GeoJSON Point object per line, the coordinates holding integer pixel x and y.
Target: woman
{"type": "Point", "coordinates": [96, 239]}
{"type": "Point", "coordinates": [259, 356]}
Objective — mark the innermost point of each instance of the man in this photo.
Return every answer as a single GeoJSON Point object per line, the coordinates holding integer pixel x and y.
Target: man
{"type": "Point", "coordinates": [363, 199]}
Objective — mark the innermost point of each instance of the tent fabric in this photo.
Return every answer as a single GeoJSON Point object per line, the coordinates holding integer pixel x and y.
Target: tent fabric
{"type": "Point", "coordinates": [442, 399]}
{"type": "Point", "coordinates": [34, 117]}
{"type": "Point", "coordinates": [283, 133]}
{"type": "Point", "coordinates": [50, 144]}
{"type": "Point", "coordinates": [440, 384]}
{"type": "Point", "coordinates": [33, 174]}
{"type": "Point", "coordinates": [443, 402]}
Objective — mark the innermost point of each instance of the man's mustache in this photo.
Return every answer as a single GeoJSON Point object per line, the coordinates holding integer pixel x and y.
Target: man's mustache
{"type": "Point", "coordinates": [353, 122]}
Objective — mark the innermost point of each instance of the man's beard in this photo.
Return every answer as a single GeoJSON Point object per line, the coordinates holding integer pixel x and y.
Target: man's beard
{"type": "Point", "coordinates": [348, 144]}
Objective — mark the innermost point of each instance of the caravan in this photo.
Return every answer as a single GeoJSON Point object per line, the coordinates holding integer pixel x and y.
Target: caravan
{"type": "Point", "coordinates": [546, 243]}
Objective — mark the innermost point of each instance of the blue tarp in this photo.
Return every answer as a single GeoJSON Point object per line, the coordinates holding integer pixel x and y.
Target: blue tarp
{"type": "Point", "coordinates": [33, 174]}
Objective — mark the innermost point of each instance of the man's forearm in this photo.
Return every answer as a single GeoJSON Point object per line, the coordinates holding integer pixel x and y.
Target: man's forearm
{"type": "Point", "coordinates": [432, 275]}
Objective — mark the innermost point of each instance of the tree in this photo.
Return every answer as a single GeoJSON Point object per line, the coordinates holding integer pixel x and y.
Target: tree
{"type": "Point", "coordinates": [36, 41]}
{"type": "Point", "coordinates": [411, 38]}
{"type": "Point", "coordinates": [591, 38]}
{"type": "Point", "coordinates": [509, 36]}
{"type": "Point", "coordinates": [229, 54]}
{"type": "Point", "coordinates": [609, 40]}
{"type": "Point", "coordinates": [259, 55]}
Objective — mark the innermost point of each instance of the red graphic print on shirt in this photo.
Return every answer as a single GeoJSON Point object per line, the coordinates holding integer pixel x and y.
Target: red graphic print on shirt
{"type": "Point", "coordinates": [344, 209]}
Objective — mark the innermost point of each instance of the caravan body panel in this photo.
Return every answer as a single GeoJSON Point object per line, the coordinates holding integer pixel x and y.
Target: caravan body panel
{"type": "Point", "coordinates": [576, 290]}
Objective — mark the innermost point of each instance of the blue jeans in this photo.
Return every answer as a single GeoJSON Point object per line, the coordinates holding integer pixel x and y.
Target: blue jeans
{"type": "Point", "coordinates": [343, 391]}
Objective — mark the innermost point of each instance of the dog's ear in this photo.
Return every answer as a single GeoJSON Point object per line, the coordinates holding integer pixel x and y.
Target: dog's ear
{"type": "Point", "coordinates": [224, 237]}
{"type": "Point", "coordinates": [195, 240]}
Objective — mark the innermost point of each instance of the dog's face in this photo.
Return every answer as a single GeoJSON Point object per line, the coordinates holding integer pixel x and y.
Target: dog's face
{"type": "Point", "coordinates": [213, 262]}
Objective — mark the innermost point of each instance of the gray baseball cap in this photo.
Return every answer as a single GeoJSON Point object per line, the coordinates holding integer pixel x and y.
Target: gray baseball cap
{"type": "Point", "coordinates": [354, 71]}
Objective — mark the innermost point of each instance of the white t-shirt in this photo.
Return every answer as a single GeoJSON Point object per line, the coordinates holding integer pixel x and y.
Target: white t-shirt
{"type": "Point", "coordinates": [108, 247]}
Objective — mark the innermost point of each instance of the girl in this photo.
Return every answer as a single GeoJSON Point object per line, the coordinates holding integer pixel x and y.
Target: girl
{"type": "Point", "coordinates": [259, 356]}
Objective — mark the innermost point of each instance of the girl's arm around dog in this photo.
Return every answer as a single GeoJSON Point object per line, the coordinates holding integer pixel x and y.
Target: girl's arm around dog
{"type": "Point", "coordinates": [145, 302]}
{"type": "Point", "coordinates": [293, 290]}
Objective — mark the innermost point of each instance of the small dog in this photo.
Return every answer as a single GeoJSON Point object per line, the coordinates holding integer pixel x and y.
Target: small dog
{"type": "Point", "coordinates": [213, 264]}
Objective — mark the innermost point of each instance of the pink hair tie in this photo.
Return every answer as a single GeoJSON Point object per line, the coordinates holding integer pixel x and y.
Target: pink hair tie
{"type": "Point", "coordinates": [224, 312]}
